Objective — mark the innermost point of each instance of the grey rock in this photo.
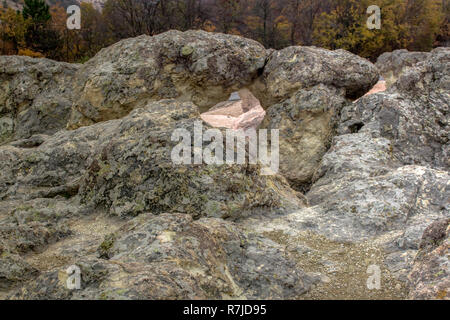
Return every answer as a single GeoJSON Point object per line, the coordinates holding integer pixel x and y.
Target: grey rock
{"type": "Point", "coordinates": [295, 68]}
{"type": "Point", "coordinates": [393, 64]}
{"type": "Point", "coordinates": [173, 257]}
{"type": "Point", "coordinates": [430, 274]}
{"type": "Point", "coordinates": [355, 208]}
{"type": "Point", "coordinates": [14, 271]}
{"type": "Point", "coordinates": [193, 66]}
{"type": "Point", "coordinates": [385, 177]}
{"type": "Point", "coordinates": [125, 167]}
{"type": "Point", "coordinates": [307, 122]}
{"type": "Point", "coordinates": [413, 114]}
{"type": "Point", "coordinates": [35, 96]}
{"type": "Point", "coordinates": [107, 197]}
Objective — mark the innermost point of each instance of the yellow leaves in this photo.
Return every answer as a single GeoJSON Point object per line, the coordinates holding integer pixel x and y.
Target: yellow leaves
{"type": "Point", "coordinates": [13, 26]}
{"type": "Point", "coordinates": [209, 26]}
{"type": "Point", "coordinates": [59, 17]}
{"type": "Point", "coordinates": [416, 25]}
{"type": "Point", "coordinates": [30, 53]}
{"type": "Point", "coordinates": [253, 22]}
{"type": "Point", "coordinates": [441, 295]}
{"type": "Point", "coordinates": [283, 25]}
{"type": "Point", "coordinates": [345, 27]}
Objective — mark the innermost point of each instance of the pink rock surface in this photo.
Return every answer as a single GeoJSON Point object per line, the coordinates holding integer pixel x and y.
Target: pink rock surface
{"type": "Point", "coordinates": [244, 114]}
{"type": "Point", "coordinates": [379, 87]}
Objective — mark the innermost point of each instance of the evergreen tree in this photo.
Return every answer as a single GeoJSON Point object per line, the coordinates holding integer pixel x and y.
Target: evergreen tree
{"type": "Point", "coordinates": [37, 10]}
{"type": "Point", "coordinates": [40, 37]}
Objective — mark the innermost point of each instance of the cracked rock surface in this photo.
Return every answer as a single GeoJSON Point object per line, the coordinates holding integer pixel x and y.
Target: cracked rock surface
{"type": "Point", "coordinates": [87, 179]}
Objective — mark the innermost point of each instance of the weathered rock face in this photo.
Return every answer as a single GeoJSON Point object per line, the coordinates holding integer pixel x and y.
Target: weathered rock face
{"type": "Point", "coordinates": [125, 166]}
{"type": "Point", "coordinates": [133, 172]}
{"type": "Point", "coordinates": [295, 68]}
{"type": "Point", "coordinates": [108, 198]}
{"type": "Point", "coordinates": [205, 67]}
{"type": "Point", "coordinates": [35, 96]}
{"type": "Point", "coordinates": [173, 257]}
{"type": "Point", "coordinates": [385, 178]}
{"type": "Point", "coordinates": [355, 207]}
{"type": "Point", "coordinates": [413, 114]}
{"type": "Point", "coordinates": [13, 270]}
{"type": "Point", "coordinates": [307, 124]}
{"type": "Point", "coordinates": [189, 66]}
{"type": "Point", "coordinates": [429, 277]}
{"type": "Point", "coordinates": [28, 227]}
{"type": "Point", "coordinates": [381, 184]}
{"type": "Point", "coordinates": [305, 89]}
{"type": "Point", "coordinates": [393, 64]}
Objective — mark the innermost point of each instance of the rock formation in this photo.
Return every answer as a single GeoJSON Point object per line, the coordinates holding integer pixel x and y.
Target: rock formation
{"type": "Point", "coordinates": [87, 179]}
{"type": "Point", "coordinates": [292, 69]}
{"type": "Point", "coordinates": [393, 64]}
{"type": "Point", "coordinates": [35, 96]}
{"type": "Point", "coordinates": [307, 122]}
{"type": "Point", "coordinates": [195, 66]}
{"type": "Point", "coordinates": [429, 277]}
{"type": "Point", "coordinates": [245, 112]}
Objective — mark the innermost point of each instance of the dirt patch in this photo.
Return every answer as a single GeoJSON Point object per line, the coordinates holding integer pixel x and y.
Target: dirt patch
{"type": "Point", "coordinates": [87, 234]}
{"type": "Point", "coordinates": [342, 266]}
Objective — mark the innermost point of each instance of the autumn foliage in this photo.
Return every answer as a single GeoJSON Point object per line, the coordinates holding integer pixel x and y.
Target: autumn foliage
{"type": "Point", "coordinates": [39, 30]}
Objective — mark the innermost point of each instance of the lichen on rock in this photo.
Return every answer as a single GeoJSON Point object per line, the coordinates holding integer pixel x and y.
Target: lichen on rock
{"type": "Point", "coordinates": [106, 196]}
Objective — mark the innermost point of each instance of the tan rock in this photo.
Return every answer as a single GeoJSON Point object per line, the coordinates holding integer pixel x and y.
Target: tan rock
{"type": "Point", "coordinates": [306, 122]}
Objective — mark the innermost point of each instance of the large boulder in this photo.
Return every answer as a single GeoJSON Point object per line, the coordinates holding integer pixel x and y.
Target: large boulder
{"type": "Point", "coordinates": [385, 178]}
{"type": "Point", "coordinates": [386, 174]}
{"type": "Point", "coordinates": [57, 192]}
{"type": "Point", "coordinates": [35, 96]}
{"type": "Point", "coordinates": [355, 207]}
{"type": "Point", "coordinates": [307, 123]}
{"type": "Point", "coordinates": [132, 172]}
{"type": "Point", "coordinates": [304, 90]}
{"type": "Point", "coordinates": [189, 66]}
{"type": "Point", "coordinates": [393, 64]}
{"type": "Point", "coordinates": [430, 274]}
{"type": "Point", "coordinates": [413, 114]}
{"type": "Point", "coordinates": [295, 68]}
{"type": "Point", "coordinates": [108, 198]}
{"type": "Point", "coordinates": [125, 167]}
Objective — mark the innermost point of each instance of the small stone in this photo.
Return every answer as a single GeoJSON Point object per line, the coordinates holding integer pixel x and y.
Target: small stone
{"type": "Point", "coordinates": [187, 51]}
